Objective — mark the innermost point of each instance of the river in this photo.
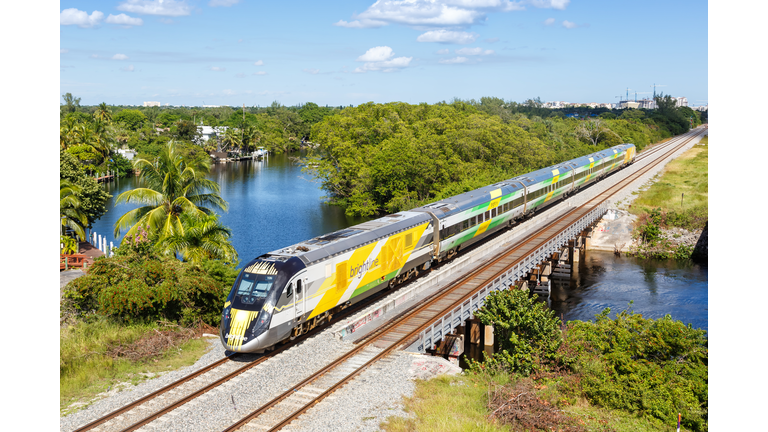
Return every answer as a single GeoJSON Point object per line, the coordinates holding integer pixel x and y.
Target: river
{"type": "Point", "coordinates": [272, 204]}
{"type": "Point", "coordinates": [654, 287]}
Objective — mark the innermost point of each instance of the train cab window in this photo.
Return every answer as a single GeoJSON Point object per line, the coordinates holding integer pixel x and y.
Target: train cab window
{"type": "Point", "coordinates": [289, 290]}
{"type": "Point", "coordinates": [298, 286]}
{"type": "Point", "coordinates": [254, 287]}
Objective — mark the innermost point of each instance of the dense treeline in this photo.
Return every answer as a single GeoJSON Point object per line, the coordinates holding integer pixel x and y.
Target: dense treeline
{"type": "Point", "coordinates": [91, 133]}
{"type": "Point", "coordinates": [384, 158]}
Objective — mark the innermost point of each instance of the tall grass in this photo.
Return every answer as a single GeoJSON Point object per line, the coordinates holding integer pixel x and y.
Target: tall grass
{"type": "Point", "coordinates": [683, 187]}
{"type": "Point", "coordinates": [450, 404]}
{"type": "Point", "coordinates": [459, 403]}
{"type": "Point", "coordinates": [85, 369]}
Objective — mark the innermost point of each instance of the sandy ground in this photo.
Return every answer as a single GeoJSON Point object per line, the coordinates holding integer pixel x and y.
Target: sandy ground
{"type": "Point", "coordinates": [613, 231]}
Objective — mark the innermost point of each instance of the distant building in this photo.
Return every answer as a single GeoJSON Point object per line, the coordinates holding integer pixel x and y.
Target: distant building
{"type": "Point", "coordinates": [151, 104]}
{"type": "Point", "coordinates": [208, 132]}
{"type": "Point", "coordinates": [681, 101]}
{"type": "Point", "coordinates": [647, 103]}
{"type": "Point", "coordinates": [127, 153]}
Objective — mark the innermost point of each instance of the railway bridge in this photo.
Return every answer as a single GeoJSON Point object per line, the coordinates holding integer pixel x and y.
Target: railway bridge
{"type": "Point", "coordinates": [526, 257]}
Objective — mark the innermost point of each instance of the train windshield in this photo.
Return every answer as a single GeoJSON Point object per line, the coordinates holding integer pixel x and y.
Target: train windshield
{"type": "Point", "coordinates": [254, 287]}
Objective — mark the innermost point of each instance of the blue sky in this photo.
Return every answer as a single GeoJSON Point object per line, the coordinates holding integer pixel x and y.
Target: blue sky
{"type": "Point", "coordinates": [229, 52]}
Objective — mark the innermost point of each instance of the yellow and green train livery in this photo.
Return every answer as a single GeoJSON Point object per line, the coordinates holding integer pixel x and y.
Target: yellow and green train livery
{"type": "Point", "coordinates": [285, 293]}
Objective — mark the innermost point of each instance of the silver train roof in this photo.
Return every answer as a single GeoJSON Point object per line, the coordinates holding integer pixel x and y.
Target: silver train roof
{"type": "Point", "coordinates": [332, 244]}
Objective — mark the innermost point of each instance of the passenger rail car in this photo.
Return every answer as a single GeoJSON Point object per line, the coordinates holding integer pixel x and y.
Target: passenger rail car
{"type": "Point", "coordinates": [287, 292]}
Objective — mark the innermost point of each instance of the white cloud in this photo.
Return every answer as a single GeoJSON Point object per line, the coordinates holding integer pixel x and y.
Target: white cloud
{"type": "Point", "coordinates": [218, 69]}
{"type": "Point", "coordinates": [380, 59]}
{"type": "Point", "coordinates": [421, 13]}
{"type": "Point", "coordinates": [124, 20]}
{"type": "Point", "coordinates": [94, 56]}
{"type": "Point", "coordinates": [240, 75]}
{"type": "Point", "coordinates": [128, 68]}
{"type": "Point", "coordinates": [474, 51]}
{"type": "Point", "coordinates": [224, 3]}
{"type": "Point", "coordinates": [80, 18]}
{"type": "Point", "coordinates": [550, 4]}
{"type": "Point", "coordinates": [439, 13]}
{"type": "Point", "coordinates": [155, 7]}
{"type": "Point", "coordinates": [492, 40]}
{"type": "Point", "coordinates": [448, 37]}
{"type": "Point", "coordinates": [366, 23]}
{"type": "Point", "coordinates": [569, 25]}
{"type": "Point", "coordinates": [311, 71]}
{"type": "Point", "coordinates": [258, 63]}
{"type": "Point", "coordinates": [260, 73]}
{"type": "Point", "coordinates": [455, 60]}
{"type": "Point", "coordinates": [379, 53]}
{"type": "Point", "coordinates": [549, 21]}
{"type": "Point", "coordinates": [119, 57]}
{"type": "Point", "coordinates": [63, 51]}
{"type": "Point", "coordinates": [443, 51]}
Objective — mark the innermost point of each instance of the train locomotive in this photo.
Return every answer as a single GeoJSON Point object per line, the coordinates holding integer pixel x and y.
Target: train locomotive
{"type": "Point", "coordinates": [285, 293]}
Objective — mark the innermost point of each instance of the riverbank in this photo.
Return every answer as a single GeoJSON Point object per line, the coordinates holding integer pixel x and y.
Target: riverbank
{"type": "Point", "coordinates": [679, 190]}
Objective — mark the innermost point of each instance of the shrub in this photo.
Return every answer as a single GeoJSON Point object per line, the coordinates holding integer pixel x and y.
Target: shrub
{"type": "Point", "coordinates": [653, 367]}
{"type": "Point", "coordinates": [139, 287]}
{"type": "Point", "coordinates": [526, 332]}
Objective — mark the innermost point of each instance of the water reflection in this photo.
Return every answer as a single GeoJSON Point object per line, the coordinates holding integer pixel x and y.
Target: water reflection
{"type": "Point", "coordinates": [656, 288]}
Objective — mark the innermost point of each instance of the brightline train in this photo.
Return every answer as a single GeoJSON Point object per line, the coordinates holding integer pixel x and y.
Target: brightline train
{"type": "Point", "coordinates": [285, 293]}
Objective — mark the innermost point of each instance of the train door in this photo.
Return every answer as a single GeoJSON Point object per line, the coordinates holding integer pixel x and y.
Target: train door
{"type": "Point", "coordinates": [299, 303]}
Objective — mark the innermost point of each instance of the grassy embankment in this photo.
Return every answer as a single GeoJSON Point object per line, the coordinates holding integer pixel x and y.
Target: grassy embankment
{"type": "Point", "coordinates": [102, 355]}
{"type": "Point", "coordinates": [688, 175]}
{"type": "Point", "coordinates": [460, 403]}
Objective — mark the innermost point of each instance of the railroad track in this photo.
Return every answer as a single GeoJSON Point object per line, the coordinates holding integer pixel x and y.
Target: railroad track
{"type": "Point", "coordinates": [401, 330]}
{"type": "Point", "coordinates": [133, 415]}
{"type": "Point", "coordinates": [405, 329]}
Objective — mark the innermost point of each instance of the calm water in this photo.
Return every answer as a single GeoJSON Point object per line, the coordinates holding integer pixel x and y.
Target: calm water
{"type": "Point", "coordinates": [273, 205]}
{"type": "Point", "coordinates": [656, 287]}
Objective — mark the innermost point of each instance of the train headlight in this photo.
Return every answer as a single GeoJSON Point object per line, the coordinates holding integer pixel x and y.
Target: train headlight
{"type": "Point", "coordinates": [265, 315]}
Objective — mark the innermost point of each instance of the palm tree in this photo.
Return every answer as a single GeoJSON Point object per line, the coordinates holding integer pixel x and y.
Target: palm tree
{"type": "Point", "coordinates": [203, 238]}
{"type": "Point", "coordinates": [69, 133]}
{"type": "Point", "coordinates": [103, 114]}
{"type": "Point", "coordinates": [174, 186]}
{"type": "Point", "coordinates": [69, 208]}
{"type": "Point", "coordinates": [251, 136]}
{"type": "Point", "coordinates": [232, 138]}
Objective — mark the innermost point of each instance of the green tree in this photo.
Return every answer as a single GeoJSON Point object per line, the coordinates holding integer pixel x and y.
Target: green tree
{"type": "Point", "coordinates": [232, 138]}
{"type": "Point", "coordinates": [71, 103]}
{"type": "Point", "coordinates": [103, 113]}
{"type": "Point", "coordinates": [173, 186]}
{"type": "Point", "coordinates": [132, 119]}
{"type": "Point", "coordinates": [593, 131]}
{"type": "Point", "coordinates": [186, 130]}
{"type": "Point", "coordinates": [204, 238]}
{"type": "Point", "coordinates": [71, 215]}
{"type": "Point", "coordinates": [167, 119]}
{"type": "Point", "coordinates": [526, 332]}
{"type": "Point", "coordinates": [92, 197]}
